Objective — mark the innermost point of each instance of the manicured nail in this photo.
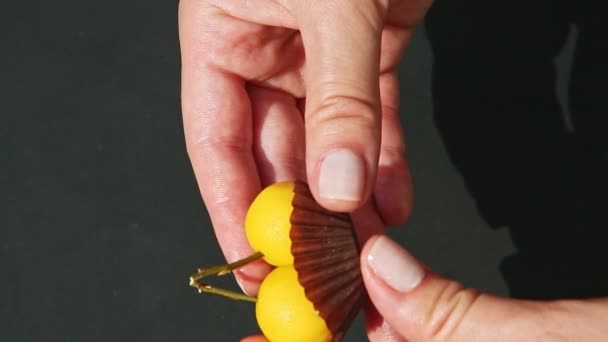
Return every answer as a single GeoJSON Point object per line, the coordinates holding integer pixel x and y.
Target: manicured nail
{"type": "Point", "coordinates": [341, 176]}
{"type": "Point", "coordinates": [238, 281]}
{"type": "Point", "coordinates": [251, 274]}
{"type": "Point", "coordinates": [399, 269]}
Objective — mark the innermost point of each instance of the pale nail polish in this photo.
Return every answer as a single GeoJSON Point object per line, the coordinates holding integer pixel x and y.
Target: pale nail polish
{"type": "Point", "coordinates": [238, 281]}
{"type": "Point", "coordinates": [341, 176]}
{"type": "Point", "coordinates": [399, 269]}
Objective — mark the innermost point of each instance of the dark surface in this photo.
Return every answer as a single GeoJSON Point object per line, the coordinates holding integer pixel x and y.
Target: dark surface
{"type": "Point", "coordinates": [529, 168]}
{"type": "Point", "coordinates": [101, 221]}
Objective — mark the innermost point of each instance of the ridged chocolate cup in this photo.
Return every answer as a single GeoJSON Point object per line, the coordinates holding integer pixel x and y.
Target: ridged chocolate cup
{"type": "Point", "coordinates": [326, 257]}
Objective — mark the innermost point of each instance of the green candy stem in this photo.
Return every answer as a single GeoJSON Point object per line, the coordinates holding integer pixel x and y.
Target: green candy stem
{"type": "Point", "coordinates": [220, 271]}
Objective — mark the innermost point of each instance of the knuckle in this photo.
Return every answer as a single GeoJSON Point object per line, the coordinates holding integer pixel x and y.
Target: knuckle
{"type": "Point", "coordinates": [340, 112]}
{"type": "Point", "coordinates": [390, 112]}
{"type": "Point", "coordinates": [450, 310]}
{"type": "Point", "coordinates": [214, 145]}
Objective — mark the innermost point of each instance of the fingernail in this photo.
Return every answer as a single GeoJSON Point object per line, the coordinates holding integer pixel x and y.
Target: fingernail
{"type": "Point", "coordinates": [251, 275]}
{"type": "Point", "coordinates": [399, 269]}
{"type": "Point", "coordinates": [341, 176]}
{"type": "Point", "coordinates": [238, 281]}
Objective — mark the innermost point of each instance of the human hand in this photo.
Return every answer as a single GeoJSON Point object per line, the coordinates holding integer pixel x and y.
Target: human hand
{"type": "Point", "coordinates": [423, 306]}
{"type": "Point", "coordinates": [276, 89]}
{"type": "Point", "coordinates": [416, 304]}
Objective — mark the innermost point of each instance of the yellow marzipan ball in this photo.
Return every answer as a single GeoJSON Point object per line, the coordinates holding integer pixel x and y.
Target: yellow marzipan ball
{"type": "Point", "coordinates": [284, 313]}
{"type": "Point", "coordinates": [267, 223]}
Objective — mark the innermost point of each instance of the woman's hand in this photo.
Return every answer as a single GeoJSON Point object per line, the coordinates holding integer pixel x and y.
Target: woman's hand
{"type": "Point", "coordinates": [277, 89]}
{"type": "Point", "coordinates": [423, 306]}
{"type": "Point", "coordinates": [415, 304]}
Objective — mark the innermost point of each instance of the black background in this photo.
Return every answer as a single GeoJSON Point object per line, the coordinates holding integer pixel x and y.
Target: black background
{"type": "Point", "coordinates": [100, 217]}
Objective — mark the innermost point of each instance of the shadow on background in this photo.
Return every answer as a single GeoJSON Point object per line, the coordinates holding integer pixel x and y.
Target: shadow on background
{"type": "Point", "coordinates": [528, 168]}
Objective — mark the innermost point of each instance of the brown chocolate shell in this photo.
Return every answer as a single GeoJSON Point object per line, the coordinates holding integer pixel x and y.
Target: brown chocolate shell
{"type": "Point", "coordinates": [326, 257]}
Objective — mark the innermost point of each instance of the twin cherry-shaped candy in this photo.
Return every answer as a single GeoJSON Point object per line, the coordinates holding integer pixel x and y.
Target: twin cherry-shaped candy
{"type": "Point", "coordinates": [315, 290]}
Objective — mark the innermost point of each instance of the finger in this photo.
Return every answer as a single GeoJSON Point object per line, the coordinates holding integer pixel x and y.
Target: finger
{"type": "Point", "coordinates": [278, 135]}
{"type": "Point", "coordinates": [368, 223]}
{"type": "Point", "coordinates": [263, 12]}
{"type": "Point", "coordinates": [378, 329]}
{"type": "Point", "coordinates": [423, 306]}
{"type": "Point", "coordinates": [393, 188]}
{"type": "Point", "coordinates": [217, 126]}
{"type": "Point", "coordinates": [257, 338]}
{"type": "Point", "coordinates": [342, 43]}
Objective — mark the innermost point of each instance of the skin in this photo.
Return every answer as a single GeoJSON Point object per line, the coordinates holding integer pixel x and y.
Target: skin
{"type": "Point", "coordinates": [256, 111]}
{"type": "Point", "coordinates": [269, 87]}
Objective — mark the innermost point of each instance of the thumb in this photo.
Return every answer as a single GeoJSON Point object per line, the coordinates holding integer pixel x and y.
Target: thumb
{"type": "Point", "coordinates": [423, 306]}
{"type": "Point", "coordinates": [342, 44]}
